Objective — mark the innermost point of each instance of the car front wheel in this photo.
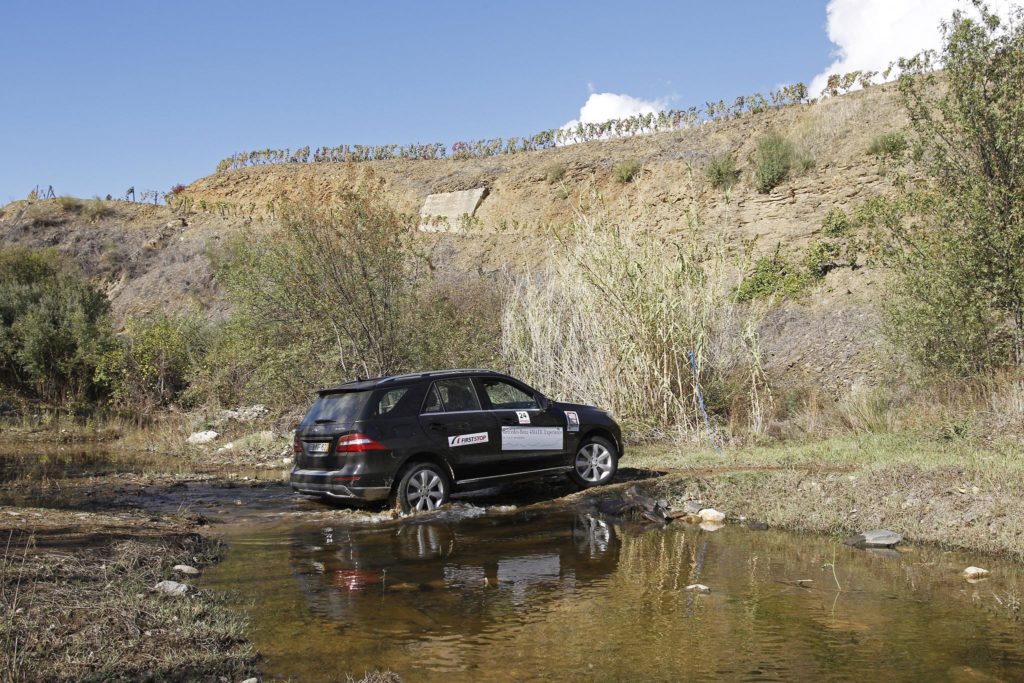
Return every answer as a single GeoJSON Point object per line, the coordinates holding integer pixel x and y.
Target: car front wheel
{"type": "Point", "coordinates": [596, 462]}
{"type": "Point", "coordinates": [423, 487]}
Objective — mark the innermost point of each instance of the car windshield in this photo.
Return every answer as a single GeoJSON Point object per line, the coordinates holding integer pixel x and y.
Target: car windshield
{"type": "Point", "coordinates": [342, 407]}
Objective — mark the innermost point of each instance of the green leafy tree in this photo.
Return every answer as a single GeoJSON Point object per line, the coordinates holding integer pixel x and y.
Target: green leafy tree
{"type": "Point", "coordinates": [955, 239]}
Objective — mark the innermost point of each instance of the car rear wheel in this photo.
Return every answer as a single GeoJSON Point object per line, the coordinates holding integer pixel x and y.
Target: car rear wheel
{"type": "Point", "coordinates": [423, 487]}
{"type": "Point", "coordinates": [596, 462]}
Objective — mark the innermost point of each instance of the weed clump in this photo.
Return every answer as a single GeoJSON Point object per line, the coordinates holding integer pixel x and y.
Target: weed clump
{"type": "Point", "coordinates": [721, 171]}
{"type": "Point", "coordinates": [627, 170]}
{"type": "Point", "coordinates": [836, 223]}
{"type": "Point", "coordinates": [888, 146]}
{"type": "Point", "coordinates": [69, 204]}
{"type": "Point", "coordinates": [774, 160]}
{"type": "Point", "coordinates": [95, 209]}
{"type": "Point", "coordinates": [772, 275]}
{"type": "Point", "coordinates": [554, 173]}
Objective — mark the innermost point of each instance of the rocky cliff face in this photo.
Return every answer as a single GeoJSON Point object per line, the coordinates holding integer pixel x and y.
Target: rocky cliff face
{"type": "Point", "coordinates": [153, 258]}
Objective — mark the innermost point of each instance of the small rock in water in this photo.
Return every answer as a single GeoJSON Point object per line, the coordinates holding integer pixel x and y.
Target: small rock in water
{"type": "Point", "coordinates": [755, 525]}
{"type": "Point", "coordinates": [976, 573]}
{"type": "Point", "coordinates": [185, 569]}
{"type": "Point", "coordinates": [171, 588]}
{"type": "Point", "coordinates": [711, 515]}
{"type": "Point", "coordinates": [698, 588]}
{"type": "Point", "coordinates": [202, 437]}
{"type": "Point", "coordinates": [251, 680]}
{"type": "Point", "coordinates": [876, 538]}
{"type": "Point", "coordinates": [692, 507]}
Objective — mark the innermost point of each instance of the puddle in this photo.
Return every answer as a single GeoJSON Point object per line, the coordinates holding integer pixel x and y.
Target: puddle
{"type": "Point", "coordinates": [33, 462]}
{"type": "Point", "coordinates": [562, 595]}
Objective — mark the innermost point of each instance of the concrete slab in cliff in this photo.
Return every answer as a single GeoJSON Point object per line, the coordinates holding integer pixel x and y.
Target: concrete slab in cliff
{"type": "Point", "coordinates": [448, 211]}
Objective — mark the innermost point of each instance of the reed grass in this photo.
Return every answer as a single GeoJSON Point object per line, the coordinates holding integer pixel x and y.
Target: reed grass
{"type": "Point", "coordinates": [646, 327]}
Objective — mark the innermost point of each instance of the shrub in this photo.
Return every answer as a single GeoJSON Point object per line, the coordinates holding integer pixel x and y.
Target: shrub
{"type": "Point", "coordinates": [721, 171]}
{"type": "Point", "coordinates": [338, 291]}
{"type": "Point", "coordinates": [888, 146]}
{"type": "Point", "coordinates": [769, 276]}
{"type": "Point", "coordinates": [773, 161]}
{"type": "Point", "coordinates": [69, 204]}
{"type": "Point", "coordinates": [95, 209]}
{"type": "Point", "coordinates": [555, 172]}
{"type": "Point", "coordinates": [150, 365]}
{"type": "Point", "coordinates": [54, 327]}
{"type": "Point", "coordinates": [836, 223]}
{"type": "Point", "coordinates": [627, 170]}
{"type": "Point", "coordinates": [821, 257]}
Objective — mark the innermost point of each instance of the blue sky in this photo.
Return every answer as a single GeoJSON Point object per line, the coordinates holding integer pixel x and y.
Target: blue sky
{"type": "Point", "coordinates": [96, 96]}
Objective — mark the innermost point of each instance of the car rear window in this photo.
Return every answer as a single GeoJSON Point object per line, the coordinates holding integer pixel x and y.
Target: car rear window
{"type": "Point", "coordinates": [342, 407]}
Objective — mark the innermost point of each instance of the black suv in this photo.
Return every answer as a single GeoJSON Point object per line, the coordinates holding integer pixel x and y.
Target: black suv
{"type": "Point", "coordinates": [415, 438]}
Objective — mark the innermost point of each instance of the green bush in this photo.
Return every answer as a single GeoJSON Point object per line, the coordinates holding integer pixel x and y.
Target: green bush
{"type": "Point", "coordinates": [888, 146]}
{"type": "Point", "coordinates": [772, 275]}
{"type": "Point", "coordinates": [721, 171]}
{"type": "Point", "coordinates": [821, 257]}
{"type": "Point", "coordinates": [773, 161]}
{"type": "Point", "coordinates": [151, 365]}
{"type": "Point", "coordinates": [555, 172]}
{"type": "Point", "coordinates": [54, 327]}
{"type": "Point", "coordinates": [338, 291]}
{"type": "Point", "coordinates": [627, 170]}
{"type": "Point", "coordinates": [836, 223]}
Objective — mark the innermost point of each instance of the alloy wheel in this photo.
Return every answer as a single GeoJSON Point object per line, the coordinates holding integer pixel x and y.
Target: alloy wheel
{"type": "Point", "coordinates": [593, 462]}
{"type": "Point", "coordinates": [425, 490]}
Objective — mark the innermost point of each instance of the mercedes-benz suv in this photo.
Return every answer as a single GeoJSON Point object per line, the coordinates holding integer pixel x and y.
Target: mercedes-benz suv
{"type": "Point", "coordinates": [414, 439]}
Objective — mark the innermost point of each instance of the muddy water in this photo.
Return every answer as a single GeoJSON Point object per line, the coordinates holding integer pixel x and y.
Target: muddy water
{"type": "Point", "coordinates": [33, 462]}
{"type": "Point", "coordinates": [559, 594]}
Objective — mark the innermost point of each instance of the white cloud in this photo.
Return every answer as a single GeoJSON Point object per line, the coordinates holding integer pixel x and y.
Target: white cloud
{"type": "Point", "coordinates": [605, 106]}
{"type": "Point", "coordinates": [869, 34]}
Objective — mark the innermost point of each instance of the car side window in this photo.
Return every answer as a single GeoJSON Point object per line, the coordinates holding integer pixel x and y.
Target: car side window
{"type": "Point", "coordinates": [389, 400]}
{"type": "Point", "coordinates": [451, 395]}
{"type": "Point", "coordinates": [505, 396]}
{"type": "Point", "coordinates": [432, 402]}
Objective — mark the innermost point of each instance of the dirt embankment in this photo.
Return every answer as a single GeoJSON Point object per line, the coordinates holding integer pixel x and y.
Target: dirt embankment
{"type": "Point", "coordinates": [151, 258]}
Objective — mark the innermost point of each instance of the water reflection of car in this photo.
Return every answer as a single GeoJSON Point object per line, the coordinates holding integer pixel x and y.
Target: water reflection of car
{"type": "Point", "coordinates": [344, 572]}
{"type": "Point", "coordinates": [417, 438]}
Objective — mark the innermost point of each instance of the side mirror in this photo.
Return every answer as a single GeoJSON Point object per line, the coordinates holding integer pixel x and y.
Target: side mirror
{"type": "Point", "coordinates": [544, 401]}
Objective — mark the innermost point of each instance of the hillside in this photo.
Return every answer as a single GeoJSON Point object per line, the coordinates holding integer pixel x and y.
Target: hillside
{"type": "Point", "coordinates": [152, 258]}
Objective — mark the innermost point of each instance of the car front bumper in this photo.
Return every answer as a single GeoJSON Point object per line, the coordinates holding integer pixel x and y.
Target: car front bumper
{"type": "Point", "coordinates": [335, 484]}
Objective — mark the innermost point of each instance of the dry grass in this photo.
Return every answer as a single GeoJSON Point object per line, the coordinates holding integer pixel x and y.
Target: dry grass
{"type": "Point", "coordinates": [950, 492]}
{"type": "Point", "coordinates": [635, 324]}
{"type": "Point", "coordinates": [88, 613]}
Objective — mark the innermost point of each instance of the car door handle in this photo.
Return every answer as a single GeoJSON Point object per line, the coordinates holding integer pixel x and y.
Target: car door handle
{"type": "Point", "coordinates": [438, 426]}
{"type": "Point", "coordinates": [509, 421]}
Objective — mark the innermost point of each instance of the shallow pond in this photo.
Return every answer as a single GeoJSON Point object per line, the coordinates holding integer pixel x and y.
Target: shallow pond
{"type": "Point", "coordinates": [558, 594]}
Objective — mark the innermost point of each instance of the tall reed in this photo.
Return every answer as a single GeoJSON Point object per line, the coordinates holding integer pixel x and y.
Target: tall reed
{"type": "Point", "coordinates": [615, 318]}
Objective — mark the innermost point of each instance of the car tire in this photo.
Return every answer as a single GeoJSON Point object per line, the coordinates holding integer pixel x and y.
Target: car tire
{"type": "Point", "coordinates": [595, 462]}
{"type": "Point", "coordinates": [422, 487]}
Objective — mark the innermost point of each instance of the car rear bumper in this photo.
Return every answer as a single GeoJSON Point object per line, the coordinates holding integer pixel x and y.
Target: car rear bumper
{"type": "Point", "coordinates": [323, 483]}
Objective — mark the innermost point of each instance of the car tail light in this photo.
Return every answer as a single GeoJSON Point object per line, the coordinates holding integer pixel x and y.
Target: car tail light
{"type": "Point", "coordinates": [297, 446]}
{"type": "Point", "coordinates": [356, 443]}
